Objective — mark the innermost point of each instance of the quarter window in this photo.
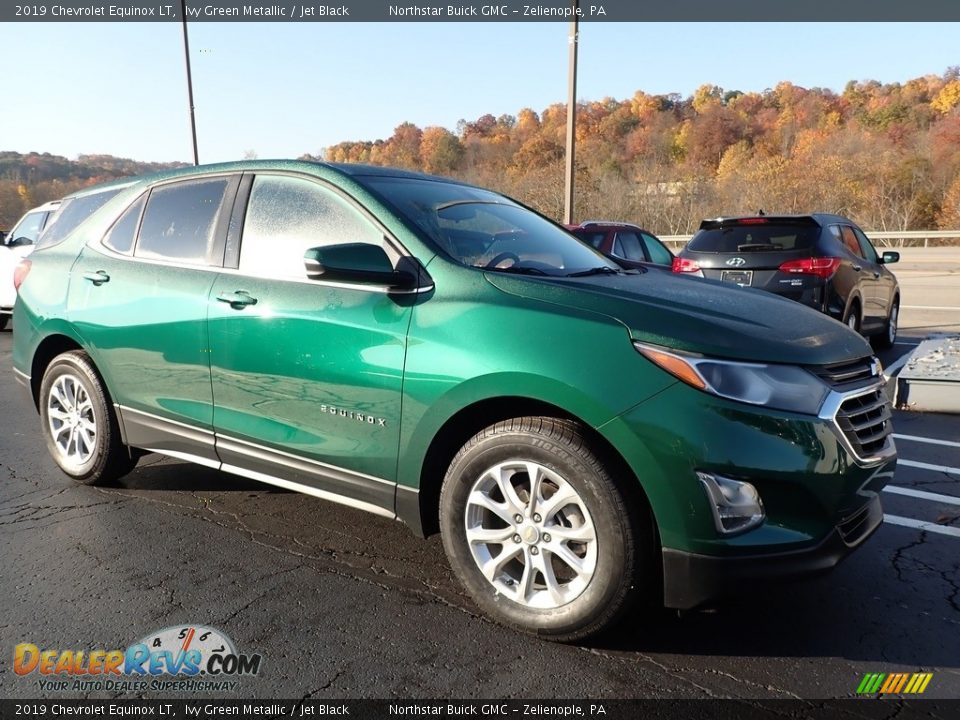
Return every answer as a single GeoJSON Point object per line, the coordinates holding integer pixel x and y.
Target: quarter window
{"type": "Point", "coordinates": [180, 221]}
{"type": "Point", "coordinates": [121, 236]}
{"type": "Point", "coordinates": [286, 216]}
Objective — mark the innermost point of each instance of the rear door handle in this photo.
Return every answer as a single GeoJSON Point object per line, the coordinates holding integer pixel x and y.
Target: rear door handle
{"type": "Point", "coordinates": [98, 278]}
{"type": "Point", "coordinates": [857, 268]}
{"type": "Point", "coordinates": [238, 299]}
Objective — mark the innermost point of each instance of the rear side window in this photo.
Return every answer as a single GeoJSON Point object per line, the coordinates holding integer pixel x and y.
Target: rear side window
{"type": "Point", "coordinates": [71, 213]}
{"type": "Point", "coordinates": [593, 239]}
{"type": "Point", "coordinates": [180, 222]}
{"type": "Point", "coordinates": [286, 216]}
{"type": "Point", "coordinates": [758, 237]}
{"type": "Point", "coordinates": [628, 245]}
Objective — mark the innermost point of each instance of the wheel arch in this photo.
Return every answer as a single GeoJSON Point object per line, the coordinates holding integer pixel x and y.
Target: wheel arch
{"type": "Point", "coordinates": [48, 348]}
{"type": "Point", "coordinates": [468, 421]}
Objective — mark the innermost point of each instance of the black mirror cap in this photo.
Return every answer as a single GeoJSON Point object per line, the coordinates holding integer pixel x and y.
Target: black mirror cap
{"type": "Point", "coordinates": [360, 263]}
{"type": "Point", "coordinates": [890, 256]}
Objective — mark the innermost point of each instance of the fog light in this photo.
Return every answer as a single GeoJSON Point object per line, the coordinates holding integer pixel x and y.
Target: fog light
{"type": "Point", "coordinates": [736, 505]}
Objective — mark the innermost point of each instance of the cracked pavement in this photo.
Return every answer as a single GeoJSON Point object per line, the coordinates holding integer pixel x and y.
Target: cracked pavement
{"type": "Point", "coordinates": [342, 604]}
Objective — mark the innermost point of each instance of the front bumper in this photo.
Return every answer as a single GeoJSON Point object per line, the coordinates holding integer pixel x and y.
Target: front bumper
{"type": "Point", "coordinates": [691, 580]}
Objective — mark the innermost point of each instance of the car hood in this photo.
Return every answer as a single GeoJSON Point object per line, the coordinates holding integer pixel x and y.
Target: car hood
{"type": "Point", "coordinates": [700, 316]}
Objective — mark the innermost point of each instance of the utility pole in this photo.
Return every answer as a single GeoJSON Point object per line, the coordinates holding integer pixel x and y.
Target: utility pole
{"type": "Point", "coordinates": [186, 57]}
{"type": "Point", "coordinates": [572, 40]}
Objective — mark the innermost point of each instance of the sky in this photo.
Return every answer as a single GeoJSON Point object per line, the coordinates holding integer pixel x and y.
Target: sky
{"type": "Point", "coordinates": [284, 89]}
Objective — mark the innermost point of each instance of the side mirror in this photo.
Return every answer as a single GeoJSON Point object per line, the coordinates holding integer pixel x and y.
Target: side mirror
{"type": "Point", "coordinates": [20, 241]}
{"type": "Point", "coordinates": [890, 257]}
{"type": "Point", "coordinates": [357, 263]}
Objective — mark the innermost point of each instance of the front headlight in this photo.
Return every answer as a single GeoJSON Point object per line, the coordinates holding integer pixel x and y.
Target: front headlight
{"type": "Point", "coordinates": [782, 387]}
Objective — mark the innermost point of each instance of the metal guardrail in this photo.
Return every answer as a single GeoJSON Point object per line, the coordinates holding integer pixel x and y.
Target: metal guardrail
{"type": "Point", "coordinates": [675, 242]}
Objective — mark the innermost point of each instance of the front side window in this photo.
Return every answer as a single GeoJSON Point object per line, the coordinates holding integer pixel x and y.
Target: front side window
{"type": "Point", "coordinates": [179, 223]}
{"type": "Point", "coordinates": [286, 216]}
{"type": "Point", "coordinates": [850, 241]}
{"type": "Point", "coordinates": [482, 229]}
{"type": "Point", "coordinates": [657, 250]}
{"type": "Point", "coordinates": [865, 246]}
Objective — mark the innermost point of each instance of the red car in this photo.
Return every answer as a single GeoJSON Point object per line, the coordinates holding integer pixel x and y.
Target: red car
{"type": "Point", "coordinates": [627, 244]}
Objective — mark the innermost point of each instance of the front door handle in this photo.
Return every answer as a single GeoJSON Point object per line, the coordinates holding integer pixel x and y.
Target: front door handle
{"type": "Point", "coordinates": [238, 299]}
{"type": "Point", "coordinates": [876, 274]}
{"type": "Point", "coordinates": [857, 268]}
{"type": "Point", "coordinates": [98, 278]}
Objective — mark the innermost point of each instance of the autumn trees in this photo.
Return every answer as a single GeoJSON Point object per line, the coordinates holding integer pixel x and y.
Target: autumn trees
{"type": "Point", "coordinates": [887, 155]}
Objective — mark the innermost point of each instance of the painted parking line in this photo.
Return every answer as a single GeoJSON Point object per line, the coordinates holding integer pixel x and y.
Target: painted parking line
{"type": "Point", "coordinates": [928, 307]}
{"type": "Point", "coordinates": [927, 466]}
{"type": "Point", "coordinates": [895, 366]}
{"type": "Point", "coordinates": [931, 441]}
{"type": "Point", "coordinates": [922, 525]}
{"type": "Point", "coordinates": [922, 495]}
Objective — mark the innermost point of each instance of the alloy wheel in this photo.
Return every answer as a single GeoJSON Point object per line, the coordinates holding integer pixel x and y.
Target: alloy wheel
{"type": "Point", "coordinates": [530, 534]}
{"type": "Point", "coordinates": [71, 421]}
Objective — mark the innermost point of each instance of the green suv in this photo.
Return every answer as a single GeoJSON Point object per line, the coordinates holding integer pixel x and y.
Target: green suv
{"type": "Point", "coordinates": [581, 435]}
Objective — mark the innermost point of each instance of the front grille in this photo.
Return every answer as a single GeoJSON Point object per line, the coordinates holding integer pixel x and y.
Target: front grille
{"type": "Point", "coordinates": [865, 422]}
{"type": "Point", "coordinates": [842, 375]}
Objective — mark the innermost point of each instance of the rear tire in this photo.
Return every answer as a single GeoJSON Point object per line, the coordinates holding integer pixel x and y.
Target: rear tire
{"type": "Point", "coordinates": [853, 318]}
{"type": "Point", "coordinates": [538, 531]}
{"type": "Point", "coordinates": [79, 423]}
{"type": "Point", "coordinates": [4, 319]}
{"type": "Point", "coordinates": [888, 337]}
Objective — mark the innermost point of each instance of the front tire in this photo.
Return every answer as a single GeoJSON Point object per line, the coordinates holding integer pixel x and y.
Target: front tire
{"type": "Point", "coordinates": [79, 423]}
{"type": "Point", "coordinates": [4, 319]}
{"type": "Point", "coordinates": [538, 531]}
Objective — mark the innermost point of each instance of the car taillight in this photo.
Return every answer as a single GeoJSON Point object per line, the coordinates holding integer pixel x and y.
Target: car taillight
{"type": "Point", "coordinates": [20, 273]}
{"type": "Point", "coordinates": [820, 266]}
{"type": "Point", "coordinates": [684, 265]}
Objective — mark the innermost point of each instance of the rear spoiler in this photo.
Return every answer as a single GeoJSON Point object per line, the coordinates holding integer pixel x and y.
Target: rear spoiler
{"type": "Point", "coordinates": [722, 222]}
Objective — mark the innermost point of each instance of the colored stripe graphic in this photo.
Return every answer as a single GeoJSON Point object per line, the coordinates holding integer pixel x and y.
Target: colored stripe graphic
{"type": "Point", "coordinates": [894, 683]}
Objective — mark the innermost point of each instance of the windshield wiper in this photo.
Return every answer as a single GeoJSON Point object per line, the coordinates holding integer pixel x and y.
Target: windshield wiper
{"type": "Point", "coordinates": [602, 270]}
{"type": "Point", "coordinates": [520, 270]}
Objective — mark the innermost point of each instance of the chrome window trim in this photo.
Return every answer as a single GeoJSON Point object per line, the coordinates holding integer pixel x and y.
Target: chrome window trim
{"type": "Point", "coordinates": [828, 412]}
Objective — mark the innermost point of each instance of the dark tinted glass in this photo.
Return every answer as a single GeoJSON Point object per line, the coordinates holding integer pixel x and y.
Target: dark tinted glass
{"type": "Point", "coordinates": [121, 236]}
{"type": "Point", "coordinates": [180, 221]}
{"type": "Point", "coordinates": [657, 250]}
{"type": "Point", "coordinates": [760, 238]}
{"type": "Point", "coordinates": [850, 240]}
{"type": "Point", "coordinates": [868, 251]}
{"type": "Point", "coordinates": [71, 213]}
{"type": "Point", "coordinates": [593, 239]}
{"type": "Point", "coordinates": [629, 246]}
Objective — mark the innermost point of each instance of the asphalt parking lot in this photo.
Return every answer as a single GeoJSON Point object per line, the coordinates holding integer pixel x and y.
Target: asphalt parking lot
{"type": "Point", "coordinates": [342, 604]}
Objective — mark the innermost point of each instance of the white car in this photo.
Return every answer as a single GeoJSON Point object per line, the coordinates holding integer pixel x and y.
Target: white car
{"type": "Point", "coordinates": [19, 243]}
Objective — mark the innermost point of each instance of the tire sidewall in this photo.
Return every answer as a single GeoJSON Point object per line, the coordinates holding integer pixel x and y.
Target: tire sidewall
{"type": "Point", "coordinates": [595, 491]}
{"type": "Point", "coordinates": [75, 364]}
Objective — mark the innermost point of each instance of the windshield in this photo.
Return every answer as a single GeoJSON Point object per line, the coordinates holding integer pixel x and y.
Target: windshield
{"type": "Point", "coordinates": [482, 229]}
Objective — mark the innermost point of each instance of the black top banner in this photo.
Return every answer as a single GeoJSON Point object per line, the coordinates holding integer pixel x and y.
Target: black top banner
{"type": "Point", "coordinates": [502, 11]}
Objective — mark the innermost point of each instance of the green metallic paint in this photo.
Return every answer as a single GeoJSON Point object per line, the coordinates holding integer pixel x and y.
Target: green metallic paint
{"type": "Point", "coordinates": [280, 366]}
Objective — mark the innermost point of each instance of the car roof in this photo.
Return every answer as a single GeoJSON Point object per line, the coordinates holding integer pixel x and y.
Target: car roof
{"type": "Point", "coordinates": [119, 183]}
{"type": "Point", "coordinates": [605, 225]}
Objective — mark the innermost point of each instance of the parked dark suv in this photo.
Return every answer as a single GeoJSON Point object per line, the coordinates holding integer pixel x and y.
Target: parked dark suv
{"type": "Point", "coordinates": [629, 245]}
{"type": "Point", "coordinates": [824, 261]}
